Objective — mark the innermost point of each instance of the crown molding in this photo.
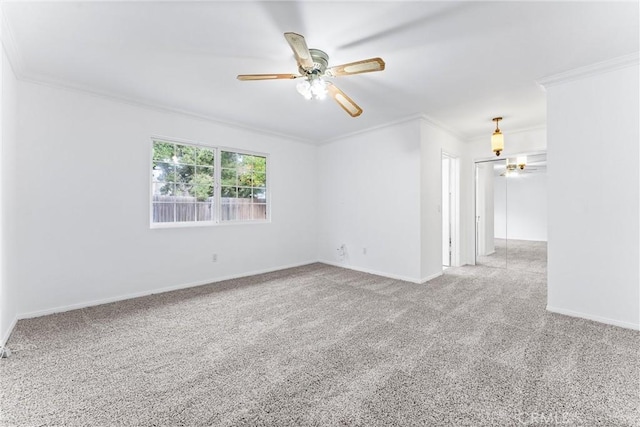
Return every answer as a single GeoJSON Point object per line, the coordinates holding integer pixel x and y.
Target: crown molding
{"type": "Point", "coordinates": [157, 107]}
{"type": "Point", "coordinates": [413, 117]}
{"type": "Point", "coordinates": [471, 138]}
{"type": "Point", "coordinates": [372, 128]}
{"type": "Point", "coordinates": [528, 129]}
{"type": "Point", "coordinates": [590, 70]}
{"type": "Point", "coordinates": [441, 126]}
{"type": "Point", "coordinates": [486, 135]}
{"type": "Point", "coordinates": [42, 81]}
{"type": "Point", "coordinates": [16, 62]}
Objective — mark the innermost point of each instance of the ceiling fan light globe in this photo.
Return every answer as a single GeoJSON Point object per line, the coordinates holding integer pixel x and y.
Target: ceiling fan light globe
{"type": "Point", "coordinates": [303, 86]}
{"type": "Point", "coordinates": [304, 89]}
{"type": "Point", "coordinates": [319, 89]}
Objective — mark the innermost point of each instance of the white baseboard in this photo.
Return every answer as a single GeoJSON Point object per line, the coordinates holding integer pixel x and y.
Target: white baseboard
{"type": "Point", "coordinates": [614, 322]}
{"type": "Point", "coordinates": [433, 276]}
{"type": "Point", "coordinates": [377, 273]}
{"type": "Point", "coordinates": [4, 338]}
{"type": "Point", "coordinates": [85, 304]}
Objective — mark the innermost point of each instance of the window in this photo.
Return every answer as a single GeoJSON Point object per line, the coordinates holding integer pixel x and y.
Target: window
{"type": "Point", "coordinates": [200, 184]}
{"type": "Point", "coordinates": [243, 187]}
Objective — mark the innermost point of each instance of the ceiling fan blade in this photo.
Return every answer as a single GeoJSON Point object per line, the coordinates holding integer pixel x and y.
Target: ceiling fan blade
{"type": "Point", "coordinates": [247, 77]}
{"type": "Point", "coordinates": [344, 101]}
{"type": "Point", "coordinates": [358, 67]}
{"type": "Point", "coordinates": [300, 50]}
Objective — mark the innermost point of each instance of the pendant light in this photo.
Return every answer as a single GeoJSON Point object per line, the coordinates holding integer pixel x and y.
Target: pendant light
{"type": "Point", "coordinates": [497, 139]}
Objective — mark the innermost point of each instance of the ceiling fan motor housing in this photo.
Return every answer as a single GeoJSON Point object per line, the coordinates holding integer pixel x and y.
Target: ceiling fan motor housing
{"type": "Point", "coordinates": [320, 63]}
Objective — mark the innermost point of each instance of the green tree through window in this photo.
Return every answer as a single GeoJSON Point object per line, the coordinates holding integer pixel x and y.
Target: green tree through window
{"type": "Point", "coordinates": [243, 186]}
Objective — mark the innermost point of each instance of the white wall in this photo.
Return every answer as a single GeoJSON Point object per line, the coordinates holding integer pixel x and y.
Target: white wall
{"type": "Point", "coordinates": [8, 176]}
{"type": "Point", "coordinates": [381, 190]}
{"type": "Point", "coordinates": [521, 207]}
{"type": "Point", "coordinates": [369, 197]}
{"type": "Point", "coordinates": [593, 123]}
{"type": "Point", "coordinates": [82, 233]}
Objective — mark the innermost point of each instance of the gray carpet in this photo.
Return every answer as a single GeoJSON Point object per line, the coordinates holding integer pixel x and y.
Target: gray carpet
{"type": "Point", "coordinates": [320, 345]}
{"type": "Point", "coordinates": [525, 255]}
{"type": "Point", "coordinates": [498, 259]}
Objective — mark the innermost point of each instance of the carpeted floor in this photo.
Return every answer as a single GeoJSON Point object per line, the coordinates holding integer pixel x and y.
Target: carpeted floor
{"type": "Point", "coordinates": [319, 345]}
{"type": "Point", "coordinates": [525, 255]}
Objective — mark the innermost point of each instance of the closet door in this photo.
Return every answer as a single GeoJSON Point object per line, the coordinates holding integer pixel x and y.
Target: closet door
{"type": "Point", "coordinates": [491, 205]}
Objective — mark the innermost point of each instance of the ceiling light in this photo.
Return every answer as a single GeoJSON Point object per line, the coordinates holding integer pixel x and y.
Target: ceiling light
{"type": "Point", "coordinates": [312, 87]}
{"type": "Point", "coordinates": [304, 88]}
{"type": "Point", "coordinates": [497, 139]}
{"type": "Point", "coordinates": [319, 88]}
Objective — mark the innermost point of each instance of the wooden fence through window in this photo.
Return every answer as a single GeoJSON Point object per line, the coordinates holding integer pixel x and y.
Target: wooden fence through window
{"type": "Point", "coordinates": [188, 208]}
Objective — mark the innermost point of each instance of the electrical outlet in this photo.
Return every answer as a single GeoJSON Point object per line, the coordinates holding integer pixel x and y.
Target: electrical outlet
{"type": "Point", "coordinates": [214, 258]}
{"type": "Point", "coordinates": [364, 251]}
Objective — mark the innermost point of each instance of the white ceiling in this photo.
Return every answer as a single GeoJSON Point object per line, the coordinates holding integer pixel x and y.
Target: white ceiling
{"type": "Point", "coordinates": [459, 63]}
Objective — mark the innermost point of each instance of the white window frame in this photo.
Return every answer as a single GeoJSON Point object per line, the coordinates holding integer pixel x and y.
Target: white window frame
{"type": "Point", "coordinates": [216, 221]}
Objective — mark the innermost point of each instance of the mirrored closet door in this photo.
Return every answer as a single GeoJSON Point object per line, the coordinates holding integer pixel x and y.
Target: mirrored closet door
{"type": "Point", "coordinates": [511, 213]}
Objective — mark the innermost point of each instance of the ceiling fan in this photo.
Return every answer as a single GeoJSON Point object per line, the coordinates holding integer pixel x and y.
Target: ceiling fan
{"type": "Point", "coordinates": [313, 67]}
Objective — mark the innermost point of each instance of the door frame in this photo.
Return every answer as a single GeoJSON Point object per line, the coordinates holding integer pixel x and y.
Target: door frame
{"type": "Point", "coordinates": [454, 207]}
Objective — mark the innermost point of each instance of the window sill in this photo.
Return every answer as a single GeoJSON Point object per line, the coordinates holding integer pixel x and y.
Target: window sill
{"type": "Point", "coordinates": [161, 225]}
